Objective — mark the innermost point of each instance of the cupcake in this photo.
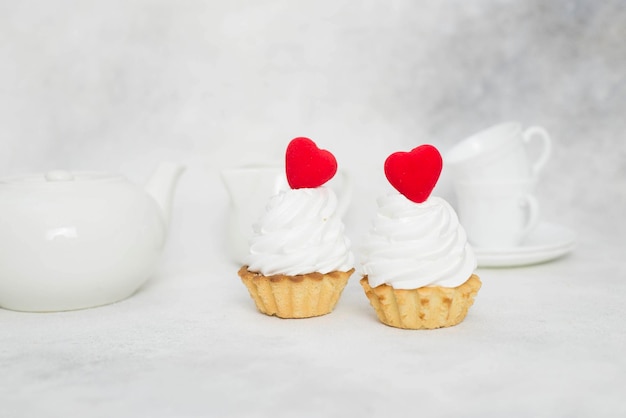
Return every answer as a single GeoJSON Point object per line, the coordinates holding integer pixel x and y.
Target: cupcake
{"type": "Point", "coordinates": [418, 268]}
{"type": "Point", "coordinates": [300, 259]}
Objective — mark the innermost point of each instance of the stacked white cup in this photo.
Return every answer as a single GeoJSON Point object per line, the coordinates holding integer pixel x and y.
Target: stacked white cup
{"type": "Point", "coordinates": [494, 180]}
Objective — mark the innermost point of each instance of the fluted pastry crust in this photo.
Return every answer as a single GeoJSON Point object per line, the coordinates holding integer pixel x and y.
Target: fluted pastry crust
{"type": "Point", "coordinates": [426, 307]}
{"type": "Point", "coordinates": [300, 296]}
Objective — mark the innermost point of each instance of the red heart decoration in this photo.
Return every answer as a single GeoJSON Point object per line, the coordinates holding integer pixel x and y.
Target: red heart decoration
{"type": "Point", "coordinates": [306, 165]}
{"type": "Point", "coordinates": [414, 173]}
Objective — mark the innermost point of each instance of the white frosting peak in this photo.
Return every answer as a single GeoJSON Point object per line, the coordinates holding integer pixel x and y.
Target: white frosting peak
{"type": "Point", "coordinates": [412, 245]}
{"type": "Point", "coordinates": [299, 233]}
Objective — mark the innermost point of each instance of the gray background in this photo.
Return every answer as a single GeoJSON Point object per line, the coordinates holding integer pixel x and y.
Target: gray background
{"type": "Point", "coordinates": [120, 85]}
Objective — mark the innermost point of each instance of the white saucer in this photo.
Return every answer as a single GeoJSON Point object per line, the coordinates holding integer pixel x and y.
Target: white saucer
{"type": "Point", "coordinates": [547, 242]}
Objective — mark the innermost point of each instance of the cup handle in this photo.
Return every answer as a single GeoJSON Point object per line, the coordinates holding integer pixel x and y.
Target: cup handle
{"type": "Point", "coordinates": [542, 134]}
{"type": "Point", "coordinates": [346, 194]}
{"type": "Point", "coordinates": [533, 213]}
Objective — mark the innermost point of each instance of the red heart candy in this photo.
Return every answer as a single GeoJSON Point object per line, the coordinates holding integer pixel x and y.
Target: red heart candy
{"type": "Point", "coordinates": [306, 165]}
{"type": "Point", "coordinates": [414, 173]}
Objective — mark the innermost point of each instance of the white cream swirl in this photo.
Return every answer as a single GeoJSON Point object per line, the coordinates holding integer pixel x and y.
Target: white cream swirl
{"type": "Point", "coordinates": [413, 245]}
{"type": "Point", "coordinates": [299, 233]}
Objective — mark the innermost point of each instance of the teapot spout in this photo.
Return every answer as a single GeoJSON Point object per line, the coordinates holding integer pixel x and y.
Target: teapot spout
{"type": "Point", "coordinates": [161, 187]}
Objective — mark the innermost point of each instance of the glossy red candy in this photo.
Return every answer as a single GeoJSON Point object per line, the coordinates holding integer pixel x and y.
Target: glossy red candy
{"type": "Point", "coordinates": [414, 173]}
{"type": "Point", "coordinates": [306, 165]}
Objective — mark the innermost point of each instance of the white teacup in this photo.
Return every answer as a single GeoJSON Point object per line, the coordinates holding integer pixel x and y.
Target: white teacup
{"type": "Point", "coordinates": [498, 153]}
{"type": "Point", "coordinates": [250, 188]}
{"type": "Point", "coordinates": [497, 214]}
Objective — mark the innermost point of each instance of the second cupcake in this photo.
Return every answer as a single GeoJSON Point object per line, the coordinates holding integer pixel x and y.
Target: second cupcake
{"type": "Point", "coordinates": [418, 265]}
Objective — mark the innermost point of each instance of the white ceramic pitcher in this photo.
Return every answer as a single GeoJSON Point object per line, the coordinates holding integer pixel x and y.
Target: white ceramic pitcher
{"type": "Point", "coordinates": [250, 188]}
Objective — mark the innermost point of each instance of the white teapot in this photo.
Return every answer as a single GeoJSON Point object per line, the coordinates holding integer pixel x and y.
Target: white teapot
{"type": "Point", "coordinates": [73, 240]}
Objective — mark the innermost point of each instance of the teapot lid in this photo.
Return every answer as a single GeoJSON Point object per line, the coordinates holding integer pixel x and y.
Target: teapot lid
{"type": "Point", "coordinates": [60, 176]}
